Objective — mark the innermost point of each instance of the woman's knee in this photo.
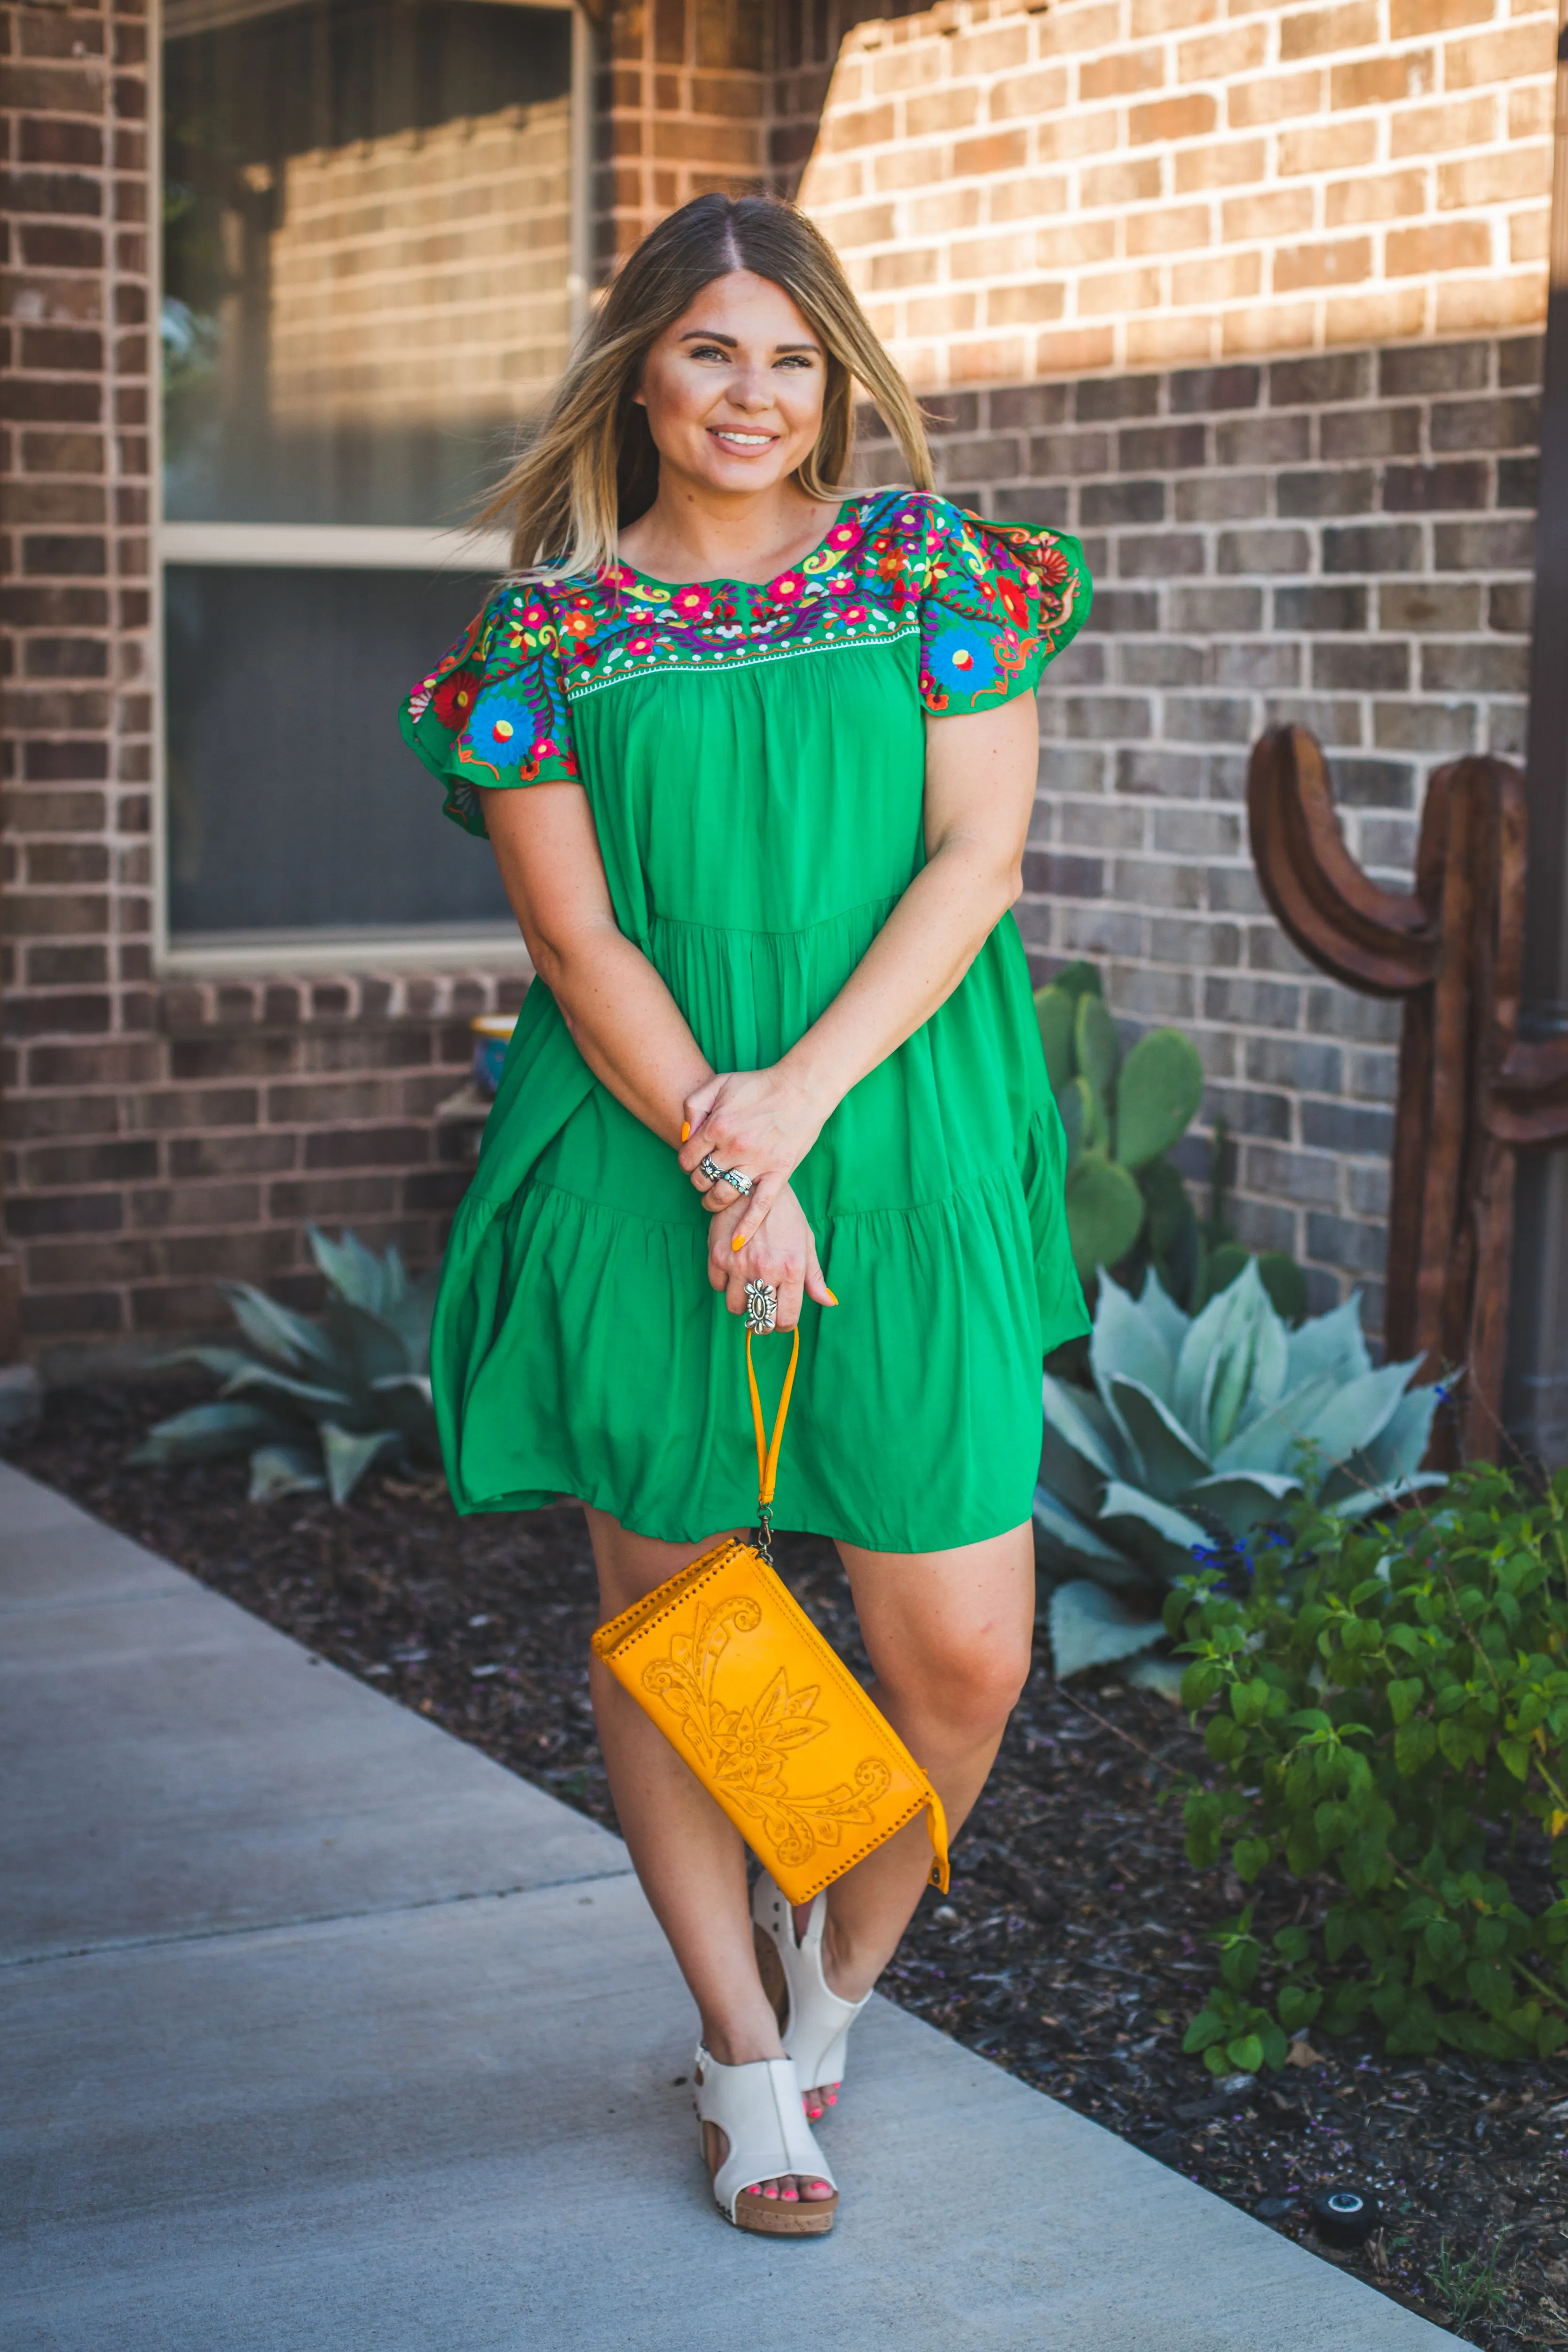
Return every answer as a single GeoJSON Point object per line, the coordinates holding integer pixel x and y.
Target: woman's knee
{"type": "Point", "coordinates": [971, 1686]}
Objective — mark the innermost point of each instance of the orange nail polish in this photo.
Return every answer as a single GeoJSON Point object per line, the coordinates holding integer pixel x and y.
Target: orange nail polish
{"type": "Point", "coordinates": [685, 1131]}
{"type": "Point", "coordinates": [738, 1243]}
{"type": "Point", "coordinates": [832, 1300]}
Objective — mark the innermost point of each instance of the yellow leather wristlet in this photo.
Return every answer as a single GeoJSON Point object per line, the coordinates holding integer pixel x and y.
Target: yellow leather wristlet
{"type": "Point", "coordinates": [724, 1659]}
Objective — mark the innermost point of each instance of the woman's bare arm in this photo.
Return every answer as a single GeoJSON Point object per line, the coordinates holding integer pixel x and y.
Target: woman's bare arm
{"type": "Point", "coordinates": [980, 774]}
{"type": "Point", "coordinates": [623, 1020]}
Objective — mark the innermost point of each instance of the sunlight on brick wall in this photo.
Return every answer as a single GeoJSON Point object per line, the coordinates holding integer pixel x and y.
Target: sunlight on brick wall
{"type": "Point", "coordinates": [1102, 183]}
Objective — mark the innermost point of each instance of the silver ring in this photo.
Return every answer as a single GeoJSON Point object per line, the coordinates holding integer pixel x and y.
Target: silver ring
{"type": "Point", "coordinates": [709, 1167]}
{"type": "Point", "coordinates": [761, 1309]}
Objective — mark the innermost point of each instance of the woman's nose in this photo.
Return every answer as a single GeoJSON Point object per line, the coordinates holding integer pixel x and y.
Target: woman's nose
{"type": "Point", "coordinates": [751, 392]}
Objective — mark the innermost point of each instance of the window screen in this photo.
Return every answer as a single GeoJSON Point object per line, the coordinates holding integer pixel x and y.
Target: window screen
{"type": "Point", "coordinates": [292, 799]}
{"type": "Point", "coordinates": [367, 253]}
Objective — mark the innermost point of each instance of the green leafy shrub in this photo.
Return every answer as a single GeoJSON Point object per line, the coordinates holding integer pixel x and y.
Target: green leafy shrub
{"type": "Point", "coordinates": [1127, 1206]}
{"type": "Point", "coordinates": [1387, 1711]}
{"type": "Point", "coordinates": [1200, 1429]}
{"type": "Point", "coordinates": [314, 1402]}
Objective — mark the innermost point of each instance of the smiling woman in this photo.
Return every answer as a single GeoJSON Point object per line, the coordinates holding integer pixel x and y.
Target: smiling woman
{"type": "Point", "coordinates": [782, 1034]}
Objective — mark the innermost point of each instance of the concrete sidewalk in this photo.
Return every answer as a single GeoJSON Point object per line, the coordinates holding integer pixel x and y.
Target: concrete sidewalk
{"type": "Point", "coordinates": [320, 2030]}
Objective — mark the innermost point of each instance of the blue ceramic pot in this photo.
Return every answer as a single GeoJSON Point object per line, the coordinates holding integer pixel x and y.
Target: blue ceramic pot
{"type": "Point", "coordinates": [492, 1036]}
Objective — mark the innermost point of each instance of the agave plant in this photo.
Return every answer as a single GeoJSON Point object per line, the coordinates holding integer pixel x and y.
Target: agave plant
{"type": "Point", "coordinates": [1196, 1432]}
{"type": "Point", "coordinates": [314, 1402]}
{"type": "Point", "coordinates": [1127, 1204]}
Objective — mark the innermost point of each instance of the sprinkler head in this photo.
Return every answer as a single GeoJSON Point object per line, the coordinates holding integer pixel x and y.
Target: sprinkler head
{"type": "Point", "coordinates": [1345, 2217]}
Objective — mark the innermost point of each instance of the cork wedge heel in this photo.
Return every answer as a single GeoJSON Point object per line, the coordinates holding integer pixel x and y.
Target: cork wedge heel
{"type": "Point", "coordinates": [752, 2130]}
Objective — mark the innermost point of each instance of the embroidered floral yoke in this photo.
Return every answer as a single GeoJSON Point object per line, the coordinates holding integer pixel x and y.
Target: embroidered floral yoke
{"type": "Point", "coordinates": [754, 758]}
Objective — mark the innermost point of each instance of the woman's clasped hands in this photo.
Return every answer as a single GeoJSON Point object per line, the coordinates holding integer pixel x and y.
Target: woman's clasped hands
{"type": "Point", "coordinates": [762, 1123]}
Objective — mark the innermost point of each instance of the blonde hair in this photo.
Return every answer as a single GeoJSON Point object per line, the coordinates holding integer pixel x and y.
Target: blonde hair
{"type": "Point", "coordinates": [592, 467]}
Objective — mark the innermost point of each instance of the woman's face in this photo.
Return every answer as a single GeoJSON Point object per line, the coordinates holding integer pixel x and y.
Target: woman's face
{"type": "Point", "coordinates": [734, 389]}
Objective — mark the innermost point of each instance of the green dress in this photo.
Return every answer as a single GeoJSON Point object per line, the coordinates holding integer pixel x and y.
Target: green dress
{"type": "Point", "coordinates": [754, 758]}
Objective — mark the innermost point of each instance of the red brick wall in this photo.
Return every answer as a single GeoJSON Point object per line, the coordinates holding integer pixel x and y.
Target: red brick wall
{"type": "Point", "coordinates": [807, 38]}
{"type": "Point", "coordinates": [693, 95]}
{"type": "Point", "coordinates": [681, 107]}
{"type": "Point", "coordinates": [78, 1007]}
{"type": "Point", "coordinates": [1343, 540]}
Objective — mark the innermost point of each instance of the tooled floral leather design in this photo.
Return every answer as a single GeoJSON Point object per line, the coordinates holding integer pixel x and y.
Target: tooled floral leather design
{"type": "Point", "coordinates": [985, 600]}
{"type": "Point", "coordinates": [743, 1749]}
{"type": "Point", "coordinates": [725, 1660]}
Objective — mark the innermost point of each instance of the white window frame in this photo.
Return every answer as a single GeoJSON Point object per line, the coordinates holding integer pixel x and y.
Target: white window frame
{"type": "Point", "coordinates": [349, 546]}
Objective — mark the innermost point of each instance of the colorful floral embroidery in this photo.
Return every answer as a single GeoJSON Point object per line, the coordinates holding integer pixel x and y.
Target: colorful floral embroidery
{"type": "Point", "coordinates": [961, 660]}
{"type": "Point", "coordinates": [1001, 600]}
{"type": "Point", "coordinates": [990, 602]}
{"type": "Point", "coordinates": [493, 711]}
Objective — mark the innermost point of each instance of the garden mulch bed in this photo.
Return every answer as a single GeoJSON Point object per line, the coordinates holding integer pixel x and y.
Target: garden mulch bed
{"type": "Point", "coordinates": [1072, 1947]}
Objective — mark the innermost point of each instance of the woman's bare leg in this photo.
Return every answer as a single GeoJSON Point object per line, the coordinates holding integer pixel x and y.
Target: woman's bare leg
{"type": "Point", "coordinates": [688, 1856]}
{"type": "Point", "coordinates": [948, 1634]}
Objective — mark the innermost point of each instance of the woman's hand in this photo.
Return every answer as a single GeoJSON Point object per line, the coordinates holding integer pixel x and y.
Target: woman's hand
{"type": "Point", "coordinates": [762, 1122]}
{"type": "Point", "coordinates": [783, 1251]}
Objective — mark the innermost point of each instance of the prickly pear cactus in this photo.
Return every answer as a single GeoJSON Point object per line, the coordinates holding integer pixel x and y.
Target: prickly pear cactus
{"type": "Point", "coordinates": [1127, 1204]}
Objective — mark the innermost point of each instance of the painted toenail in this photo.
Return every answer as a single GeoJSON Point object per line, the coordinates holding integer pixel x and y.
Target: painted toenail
{"type": "Point", "coordinates": [771, 2190]}
{"type": "Point", "coordinates": [791, 2196]}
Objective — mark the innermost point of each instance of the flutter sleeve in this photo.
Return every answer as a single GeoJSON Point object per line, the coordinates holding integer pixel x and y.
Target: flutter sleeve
{"type": "Point", "coordinates": [999, 601]}
{"type": "Point", "coordinates": [494, 710]}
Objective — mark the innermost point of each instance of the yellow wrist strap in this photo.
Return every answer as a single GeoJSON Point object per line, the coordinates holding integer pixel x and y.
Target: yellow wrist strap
{"type": "Point", "coordinates": [768, 1449]}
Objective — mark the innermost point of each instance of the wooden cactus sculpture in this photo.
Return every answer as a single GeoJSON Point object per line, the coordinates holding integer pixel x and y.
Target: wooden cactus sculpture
{"type": "Point", "coordinates": [1472, 1093]}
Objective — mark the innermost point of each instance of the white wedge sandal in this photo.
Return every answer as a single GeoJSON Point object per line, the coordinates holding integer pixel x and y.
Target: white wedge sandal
{"type": "Point", "coordinates": [812, 2018]}
{"type": "Point", "coordinates": [758, 2108]}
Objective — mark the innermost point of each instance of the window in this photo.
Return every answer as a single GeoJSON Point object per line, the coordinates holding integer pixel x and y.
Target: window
{"type": "Point", "coordinates": [370, 276]}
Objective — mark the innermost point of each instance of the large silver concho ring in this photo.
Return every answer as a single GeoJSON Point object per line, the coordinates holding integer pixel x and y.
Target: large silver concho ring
{"type": "Point", "coordinates": [718, 1175]}
{"type": "Point", "coordinates": [761, 1309]}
